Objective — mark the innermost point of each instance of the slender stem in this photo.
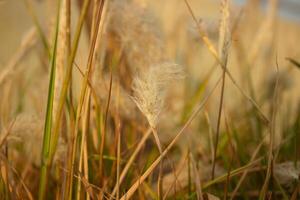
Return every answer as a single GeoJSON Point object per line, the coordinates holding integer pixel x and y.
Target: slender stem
{"type": "Point", "coordinates": [218, 124]}
{"type": "Point", "coordinates": [160, 178]}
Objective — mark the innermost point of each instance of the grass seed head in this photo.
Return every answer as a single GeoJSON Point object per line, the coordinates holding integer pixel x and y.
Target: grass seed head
{"type": "Point", "coordinates": [150, 89]}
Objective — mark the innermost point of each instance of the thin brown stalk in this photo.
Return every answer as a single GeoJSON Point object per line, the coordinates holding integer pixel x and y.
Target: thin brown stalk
{"type": "Point", "coordinates": [196, 178]}
{"type": "Point", "coordinates": [218, 126]}
{"type": "Point", "coordinates": [272, 133]}
{"type": "Point", "coordinates": [253, 157]}
{"type": "Point", "coordinates": [210, 132]}
{"type": "Point", "coordinates": [86, 165]}
{"type": "Point", "coordinates": [103, 134]}
{"type": "Point", "coordinates": [228, 179]}
{"type": "Point", "coordinates": [160, 178]}
{"type": "Point", "coordinates": [85, 131]}
{"type": "Point", "coordinates": [118, 158]}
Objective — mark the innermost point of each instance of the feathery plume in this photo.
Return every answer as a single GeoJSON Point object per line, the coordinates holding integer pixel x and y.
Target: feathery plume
{"type": "Point", "coordinates": [27, 131]}
{"type": "Point", "coordinates": [150, 89]}
{"type": "Point", "coordinates": [134, 29]}
{"type": "Point", "coordinates": [287, 173]}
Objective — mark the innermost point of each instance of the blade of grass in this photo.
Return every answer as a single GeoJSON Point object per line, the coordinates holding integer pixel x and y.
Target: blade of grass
{"type": "Point", "coordinates": [48, 119]}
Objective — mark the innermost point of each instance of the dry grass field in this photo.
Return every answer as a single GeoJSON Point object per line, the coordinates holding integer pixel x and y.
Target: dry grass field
{"type": "Point", "coordinates": [149, 99]}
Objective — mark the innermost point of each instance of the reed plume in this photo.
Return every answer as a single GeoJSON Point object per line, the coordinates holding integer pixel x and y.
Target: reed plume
{"type": "Point", "coordinates": [150, 89]}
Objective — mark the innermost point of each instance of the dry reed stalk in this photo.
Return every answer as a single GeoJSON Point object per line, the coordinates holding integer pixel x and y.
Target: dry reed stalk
{"type": "Point", "coordinates": [118, 137]}
{"type": "Point", "coordinates": [210, 134]}
{"type": "Point", "coordinates": [160, 174]}
{"type": "Point", "coordinates": [62, 54]}
{"type": "Point", "coordinates": [272, 130]}
{"type": "Point", "coordinates": [197, 179]}
{"type": "Point", "coordinates": [103, 131]}
{"type": "Point", "coordinates": [83, 142]}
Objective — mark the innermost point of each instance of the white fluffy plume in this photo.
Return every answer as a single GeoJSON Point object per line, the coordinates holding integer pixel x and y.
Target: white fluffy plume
{"type": "Point", "coordinates": [150, 89]}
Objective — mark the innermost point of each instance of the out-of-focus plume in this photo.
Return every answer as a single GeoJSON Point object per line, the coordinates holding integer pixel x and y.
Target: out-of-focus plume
{"type": "Point", "coordinates": [133, 29]}
{"type": "Point", "coordinates": [224, 32]}
{"type": "Point", "coordinates": [287, 173]}
{"type": "Point", "coordinates": [28, 131]}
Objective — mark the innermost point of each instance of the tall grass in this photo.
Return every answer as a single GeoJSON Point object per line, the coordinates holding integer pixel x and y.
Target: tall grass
{"type": "Point", "coordinates": [151, 100]}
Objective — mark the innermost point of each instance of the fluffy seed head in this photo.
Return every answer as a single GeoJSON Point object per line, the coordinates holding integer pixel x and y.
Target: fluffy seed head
{"type": "Point", "coordinates": [150, 89]}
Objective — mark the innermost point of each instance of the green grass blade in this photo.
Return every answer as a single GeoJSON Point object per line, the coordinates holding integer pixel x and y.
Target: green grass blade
{"type": "Point", "coordinates": [48, 119]}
